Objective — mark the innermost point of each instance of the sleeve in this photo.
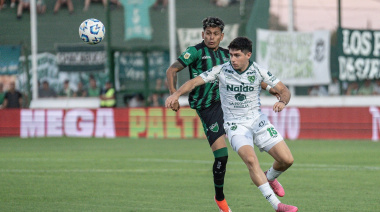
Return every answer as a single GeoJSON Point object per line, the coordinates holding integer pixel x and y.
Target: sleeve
{"type": "Point", "coordinates": [212, 74]}
{"type": "Point", "coordinates": [268, 77]}
{"type": "Point", "coordinates": [189, 56]}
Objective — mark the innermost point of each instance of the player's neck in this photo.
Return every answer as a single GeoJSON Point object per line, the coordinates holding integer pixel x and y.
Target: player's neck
{"type": "Point", "coordinates": [245, 67]}
{"type": "Point", "coordinates": [214, 49]}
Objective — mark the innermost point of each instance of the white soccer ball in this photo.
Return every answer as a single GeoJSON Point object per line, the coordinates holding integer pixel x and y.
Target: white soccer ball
{"type": "Point", "coordinates": [92, 31]}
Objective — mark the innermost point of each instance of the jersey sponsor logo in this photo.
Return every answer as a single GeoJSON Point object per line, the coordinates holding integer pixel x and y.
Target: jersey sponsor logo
{"type": "Point", "coordinates": [240, 97]}
{"type": "Point", "coordinates": [240, 88]}
{"type": "Point", "coordinates": [251, 79]}
{"type": "Point", "coordinates": [228, 71]}
{"type": "Point", "coordinates": [241, 104]}
{"type": "Point", "coordinates": [187, 55]}
{"type": "Point", "coordinates": [206, 57]}
{"type": "Point", "coordinates": [214, 127]}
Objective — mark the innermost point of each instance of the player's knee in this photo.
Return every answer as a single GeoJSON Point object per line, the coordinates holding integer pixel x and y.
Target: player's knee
{"type": "Point", "coordinates": [220, 163]}
{"type": "Point", "coordinates": [252, 163]}
{"type": "Point", "coordinates": [288, 162]}
{"type": "Point", "coordinates": [219, 169]}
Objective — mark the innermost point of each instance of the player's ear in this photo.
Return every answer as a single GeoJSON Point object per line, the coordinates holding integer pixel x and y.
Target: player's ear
{"type": "Point", "coordinates": [249, 54]}
{"type": "Point", "coordinates": [221, 38]}
{"type": "Point", "coordinates": [203, 35]}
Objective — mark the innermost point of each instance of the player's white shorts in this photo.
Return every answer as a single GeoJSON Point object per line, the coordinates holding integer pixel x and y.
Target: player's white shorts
{"type": "Point", "coordinates": [259, 132]}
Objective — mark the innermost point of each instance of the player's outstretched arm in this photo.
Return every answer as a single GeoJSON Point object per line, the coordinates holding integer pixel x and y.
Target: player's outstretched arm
{"type": "Point", "coordinates": [185, 88]}
{"type": "Point", "coordinates": [284, 93]}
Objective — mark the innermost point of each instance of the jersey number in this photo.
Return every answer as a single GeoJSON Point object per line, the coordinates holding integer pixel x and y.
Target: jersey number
{"type": "Point", "coordinates": [272, 132]}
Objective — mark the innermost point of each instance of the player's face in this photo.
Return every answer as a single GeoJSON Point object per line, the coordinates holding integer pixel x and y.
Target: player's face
{"type": "Point", "coordinates": [239, 60]}
{"type": "Point", "coordinates": [212, 37]}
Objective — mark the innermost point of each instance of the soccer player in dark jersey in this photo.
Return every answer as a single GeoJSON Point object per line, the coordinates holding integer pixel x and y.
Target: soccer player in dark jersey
{"type": "Point", "coordinates": [205, 99]}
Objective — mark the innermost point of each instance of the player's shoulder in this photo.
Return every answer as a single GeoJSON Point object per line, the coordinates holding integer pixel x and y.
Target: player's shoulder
{"type": "Point", "coordinates": [255, 66]}
{"type": "Point", "coordinates": [226, 67]}
{"type": "Point", "coordinates": [199, 46]}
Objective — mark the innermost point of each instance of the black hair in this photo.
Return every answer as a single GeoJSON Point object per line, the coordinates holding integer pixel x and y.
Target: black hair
{"type": "Point", "coordinates": [213, 22]}
{"type": "Point", "coordinates": [241, 43]}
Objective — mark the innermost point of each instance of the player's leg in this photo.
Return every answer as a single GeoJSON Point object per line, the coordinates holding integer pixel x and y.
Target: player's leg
{"type": "Point", "coordinates": [268, 139]}
{"type": "Point", "coordinates": [283, 160]}
{"type": "Point", "coordinates": [212, 121]}
{"type": "Point", "coordinates": [220, 152]}
{"type": "Point", "coordinates": [248, 155]}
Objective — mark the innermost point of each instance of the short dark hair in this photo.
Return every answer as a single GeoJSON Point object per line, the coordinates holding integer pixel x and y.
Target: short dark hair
{"type": "Point", "coordinates": [213, 22]}
{"type": "Point", "coordinates": [241, 43]}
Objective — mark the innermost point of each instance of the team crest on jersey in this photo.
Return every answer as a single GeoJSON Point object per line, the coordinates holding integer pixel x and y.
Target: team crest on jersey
{"type": "Point", "coordinates": [240, 97]}
{"type": "Point", "coordinates": [269, 74]}
{"type": "Point", "coordinates": [187, 55]}
{"type": "Point", "coordinates": [214, 127]}
{"type": "Point", "coordinates": [251, 79]}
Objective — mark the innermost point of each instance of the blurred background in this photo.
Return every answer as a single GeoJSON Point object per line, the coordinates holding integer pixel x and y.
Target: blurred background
{"type": "Point", "coordinates": [327, 52]}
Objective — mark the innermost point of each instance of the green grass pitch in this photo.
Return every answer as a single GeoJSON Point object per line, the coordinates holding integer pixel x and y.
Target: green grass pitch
{"type": "Point", "coordinates": [145, 175]}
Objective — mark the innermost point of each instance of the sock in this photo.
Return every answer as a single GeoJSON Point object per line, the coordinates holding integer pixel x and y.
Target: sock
{"type": "Point", "coordinates": [272, 174]}
{"type": "Point", "coordinates": [219, 170]}
{"type": "Point", "coordinates": [268, 193]}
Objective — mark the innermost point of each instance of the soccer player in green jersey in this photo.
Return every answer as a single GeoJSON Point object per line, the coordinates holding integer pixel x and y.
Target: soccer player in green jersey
{"type": "Point", "coordinates": [205, 99]}
{"type": "Point", "coordinates": [239, 84]}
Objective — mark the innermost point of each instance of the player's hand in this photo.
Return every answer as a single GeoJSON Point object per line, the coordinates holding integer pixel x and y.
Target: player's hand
{"type": "Point", "coordinates": [171, 101]}
{"type": "Point", "coordinates": [175, 107]}
{"type": "Point", "coordinates": [278, 106]}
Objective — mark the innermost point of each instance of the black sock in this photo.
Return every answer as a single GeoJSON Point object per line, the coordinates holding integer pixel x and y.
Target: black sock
{"type": "Point", "coordinates": [219, 170]}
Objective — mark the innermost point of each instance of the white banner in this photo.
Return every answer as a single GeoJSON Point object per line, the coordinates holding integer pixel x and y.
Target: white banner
{"type": "Point", "coordinates": [298, 58]}
{"type": "Point", "coordinates": [192, 36]}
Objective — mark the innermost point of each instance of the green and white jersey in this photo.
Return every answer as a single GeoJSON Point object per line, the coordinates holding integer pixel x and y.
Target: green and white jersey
{"type": "Point", "coordinates": [200, 58]}
{"type": "Point", "coordinates": [240, 91]}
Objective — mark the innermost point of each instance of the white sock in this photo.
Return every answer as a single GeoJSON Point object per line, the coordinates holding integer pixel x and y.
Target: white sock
{"type": "Point", "coordinates": [268, 193]}
{"type": "Point", "coordinates": [272, 174]}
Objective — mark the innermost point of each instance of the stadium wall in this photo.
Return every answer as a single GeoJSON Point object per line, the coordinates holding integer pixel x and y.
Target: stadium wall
{"type": "Point", "coordinates": [156, 122]}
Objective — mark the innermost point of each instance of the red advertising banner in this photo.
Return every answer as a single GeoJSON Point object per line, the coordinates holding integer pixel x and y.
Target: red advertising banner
{"type": "Point", "coordinates": [157, 122]}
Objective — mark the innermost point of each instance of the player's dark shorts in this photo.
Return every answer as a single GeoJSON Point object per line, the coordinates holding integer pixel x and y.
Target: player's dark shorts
{"type": "Point", "coordinates": [212, 120]}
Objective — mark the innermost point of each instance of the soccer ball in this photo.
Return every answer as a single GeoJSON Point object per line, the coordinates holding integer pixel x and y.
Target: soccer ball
{"type": "Point", "coordinates": [92, 31]}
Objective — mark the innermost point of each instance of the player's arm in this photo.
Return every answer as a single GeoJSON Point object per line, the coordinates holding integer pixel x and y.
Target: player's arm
{"type": "Point", "coordinates": [284, 93]}
{"type": "Point", "coordinates": [271, 90]}
{"type": "Point", "coordinates": [171, 77]}
{"type": "Point", "coordinates": [185, 88]}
